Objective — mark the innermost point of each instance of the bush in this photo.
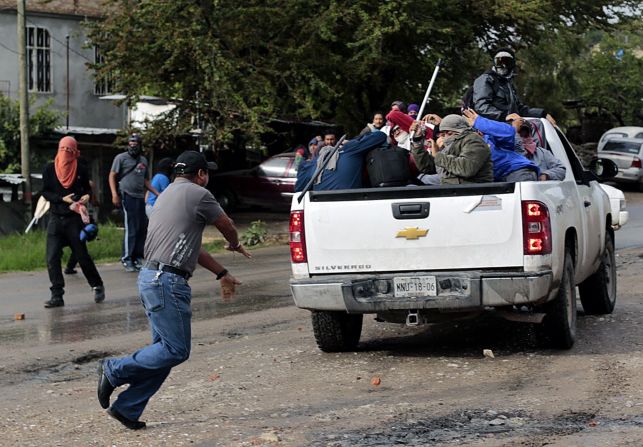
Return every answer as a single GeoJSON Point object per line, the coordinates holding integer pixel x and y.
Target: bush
{"type": "Point", "coordinates": [255, 234]}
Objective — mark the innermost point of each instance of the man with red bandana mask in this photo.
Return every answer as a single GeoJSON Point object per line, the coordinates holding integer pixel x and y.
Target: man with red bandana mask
{"type": "Point", "coordinates": [66, 182]}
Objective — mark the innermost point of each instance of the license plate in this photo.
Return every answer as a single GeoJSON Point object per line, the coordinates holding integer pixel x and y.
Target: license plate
{"type": "Point", "coordinates": [407, 286]}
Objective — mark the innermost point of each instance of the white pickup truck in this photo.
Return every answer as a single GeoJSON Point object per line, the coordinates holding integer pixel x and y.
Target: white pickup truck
{"type": "Point", "coordinates": [424, 254]}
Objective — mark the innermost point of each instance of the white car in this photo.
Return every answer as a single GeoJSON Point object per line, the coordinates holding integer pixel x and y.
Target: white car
{"type": "Point", "coordinates": [627, 153]}
{"type": "Point", "coordinates": [424, 254]}
{"type": "Point", "coordinates": [620, 132]}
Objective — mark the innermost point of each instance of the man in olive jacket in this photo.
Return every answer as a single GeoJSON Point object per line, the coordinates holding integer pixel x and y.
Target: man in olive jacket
{"type": "Point", "coordinates": [459, 155]}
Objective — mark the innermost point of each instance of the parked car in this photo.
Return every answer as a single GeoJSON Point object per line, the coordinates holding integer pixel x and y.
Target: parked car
{"type": "Point", "coordinates": [269, 185]}
{"type": "Point", "coordinates": [620, 132]}
{"type": "Point", "coordinates": [627, 153]}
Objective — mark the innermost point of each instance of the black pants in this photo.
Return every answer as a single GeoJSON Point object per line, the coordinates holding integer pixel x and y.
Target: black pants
{"type": "Point", "coordinates": [135, 221]}
{"type": "Point", "coordinates": [64, 231]}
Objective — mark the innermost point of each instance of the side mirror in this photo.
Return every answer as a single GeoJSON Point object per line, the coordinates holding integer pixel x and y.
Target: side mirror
{"type": "Point", "coordinates": [603, 168]}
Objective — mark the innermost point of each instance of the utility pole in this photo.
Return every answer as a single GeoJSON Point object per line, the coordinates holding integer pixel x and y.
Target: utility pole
{"type": "Point", "coordinates": [24, 103]}
{"type": "Point", "coordinates": [67, 76]}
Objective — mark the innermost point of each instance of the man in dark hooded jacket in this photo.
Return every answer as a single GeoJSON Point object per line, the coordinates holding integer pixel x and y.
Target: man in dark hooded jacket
{"type": "Point", "coordinates": [494, 95]}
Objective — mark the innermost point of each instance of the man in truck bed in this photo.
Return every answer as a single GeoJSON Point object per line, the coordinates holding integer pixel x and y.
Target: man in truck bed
{"type": "Point", "coordinates": [460, 155]}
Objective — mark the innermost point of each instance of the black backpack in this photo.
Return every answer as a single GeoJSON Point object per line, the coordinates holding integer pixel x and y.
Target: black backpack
{"type": "Point", "coordinates": [467, 99]}
{"type": "Point", "coordinates": [388, 166]}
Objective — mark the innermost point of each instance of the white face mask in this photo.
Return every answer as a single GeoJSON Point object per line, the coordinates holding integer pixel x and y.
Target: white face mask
{"type": "Point", "coordinates": [403, 140]}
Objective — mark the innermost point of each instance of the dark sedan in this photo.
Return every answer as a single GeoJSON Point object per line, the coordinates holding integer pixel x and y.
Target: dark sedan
{"type": "Point", "coordinates": [269, 185]}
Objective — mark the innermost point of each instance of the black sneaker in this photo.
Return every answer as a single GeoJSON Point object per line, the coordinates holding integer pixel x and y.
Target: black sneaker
{"type": "Point", "coordinates": [55, 301]}
{"type": "Point", "coordinates": [69, 271]}
{"type": "Point", "coordinates": [105, 388]}
{"type": "Point", "coordinates": [129, 423]}
{"type": "Point", "coordinates": [99, 294]}
{"type": "Point", "coordinates": [129, 266]}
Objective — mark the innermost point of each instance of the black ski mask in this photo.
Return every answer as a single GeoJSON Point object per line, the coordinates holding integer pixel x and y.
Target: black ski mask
{"type": "Point", "coordinates": [134, 145]}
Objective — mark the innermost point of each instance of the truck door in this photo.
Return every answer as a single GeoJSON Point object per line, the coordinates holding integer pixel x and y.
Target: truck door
{"type": "Point", "coordinates": [589, 196]}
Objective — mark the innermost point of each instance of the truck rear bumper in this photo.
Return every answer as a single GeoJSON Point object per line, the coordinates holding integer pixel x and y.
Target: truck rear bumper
{"type": "Point", "coordinates": [454, 291]}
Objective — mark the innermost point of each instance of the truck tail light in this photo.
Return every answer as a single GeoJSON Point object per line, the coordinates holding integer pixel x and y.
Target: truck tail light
{"type": "Point", "coordinates": [536, 228]}
{"type": "Point", "coordinates": [636, 162]}
{"type": "Point", "coordinates": [297, 237]}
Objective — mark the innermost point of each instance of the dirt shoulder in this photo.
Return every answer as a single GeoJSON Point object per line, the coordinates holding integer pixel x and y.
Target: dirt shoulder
{"type": "Point", "coordinates": [258, 379]}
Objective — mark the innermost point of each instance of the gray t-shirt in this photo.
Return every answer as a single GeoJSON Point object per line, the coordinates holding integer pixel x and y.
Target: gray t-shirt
{"type": "Point", "coordinates": [177, 222]}
{"type": "Point", "coordinates": [134, 181]}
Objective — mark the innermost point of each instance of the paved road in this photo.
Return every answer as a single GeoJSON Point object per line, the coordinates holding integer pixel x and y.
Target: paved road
{"type": "Point", "coordinates": [256, 378]}
{"type": "Point", "coordinates": [264, 280]}
{"type": "Point", "coordinates": [631, 235]}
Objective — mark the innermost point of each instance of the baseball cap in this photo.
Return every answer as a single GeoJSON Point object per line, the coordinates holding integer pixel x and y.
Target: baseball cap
{"type": "Point", "coordinates": [189, 162]}
{"type": "Point", "coordinates": [454, 123]}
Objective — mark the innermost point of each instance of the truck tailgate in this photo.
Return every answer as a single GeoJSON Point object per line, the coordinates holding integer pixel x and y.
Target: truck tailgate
{"type": "Point", "coordinates": [386, 230]}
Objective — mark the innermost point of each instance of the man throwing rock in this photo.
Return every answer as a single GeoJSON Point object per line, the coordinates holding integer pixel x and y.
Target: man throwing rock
{"type": "Point", "coordinates": [172, 250]}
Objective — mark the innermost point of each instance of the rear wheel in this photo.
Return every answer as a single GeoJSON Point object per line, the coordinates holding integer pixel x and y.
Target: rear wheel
{"type": "Point", "coordinates": [558, 329]}
{"type": "Point", "coordinates": [226, 199]}
{"type": "Point", "coordinates": [336, 331]}
{"type": "Point", "coordinates": [598, 292]}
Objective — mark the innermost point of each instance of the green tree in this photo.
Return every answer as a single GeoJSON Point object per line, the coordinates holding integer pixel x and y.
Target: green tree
{"type": "Point", "coordinates": [610, 80]}
{"type": "Point", "coordinates": [42, 121]}
{"type": "Point", "coordinates": [242, 63]}
{"type": "Point", "coordinates": [599, 71]}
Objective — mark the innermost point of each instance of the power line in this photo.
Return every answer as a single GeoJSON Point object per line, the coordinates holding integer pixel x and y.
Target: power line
{"type": "Point", "coordinates": [51, 36]}
{"type": "Point", "coordinates": [7, 48]}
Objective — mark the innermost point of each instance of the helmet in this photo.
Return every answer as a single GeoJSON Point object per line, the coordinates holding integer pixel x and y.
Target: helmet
{"type": "Point", "coordinates": [504, 62]}
{"type": "Point", "coordinates": [134, 145]}
{"type": "Point", "coordinates": [89, 232]}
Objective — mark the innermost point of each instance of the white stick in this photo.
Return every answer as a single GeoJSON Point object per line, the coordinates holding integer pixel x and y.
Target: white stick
{"type": "Point", "coordinates": [429, 88]}
{"type": "Point", "coordinates": [31, 224]}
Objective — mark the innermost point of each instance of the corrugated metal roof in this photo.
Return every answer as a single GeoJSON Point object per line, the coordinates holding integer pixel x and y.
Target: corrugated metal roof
{"type": "Point", "coordinates": [82, 8]}
{"type": "Point", "coordinates": [77, 130]}
{"type": "Point", "coordinates": [13, 179]}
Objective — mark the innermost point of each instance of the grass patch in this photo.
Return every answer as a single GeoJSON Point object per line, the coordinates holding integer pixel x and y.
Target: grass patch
{"type": "Point", "coordinates": [214, 246]}
{"type": "Point", "coordinates": [26, 252]}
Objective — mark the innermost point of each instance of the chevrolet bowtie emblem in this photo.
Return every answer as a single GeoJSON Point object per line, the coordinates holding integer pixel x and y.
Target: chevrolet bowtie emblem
{"type": "Point", "coordinates": [412, 233]}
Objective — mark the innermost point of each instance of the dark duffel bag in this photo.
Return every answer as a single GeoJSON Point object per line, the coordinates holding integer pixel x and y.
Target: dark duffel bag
{"type": "Point", "coordinates": [388, 166]}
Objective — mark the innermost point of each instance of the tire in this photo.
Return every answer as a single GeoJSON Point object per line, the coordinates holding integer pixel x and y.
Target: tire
{"type": "Point", "coordinates": [598, 292]}
{"type": "Point", "coordinates": [558, 329]}
{"type": "Point", "coordinates": [336, 331]}
{"type": "Point", "coordinates": [227, 200]}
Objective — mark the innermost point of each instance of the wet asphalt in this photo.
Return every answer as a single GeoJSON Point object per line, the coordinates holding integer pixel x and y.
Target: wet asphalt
{"type": "Point", "coordinates": [265, 285]}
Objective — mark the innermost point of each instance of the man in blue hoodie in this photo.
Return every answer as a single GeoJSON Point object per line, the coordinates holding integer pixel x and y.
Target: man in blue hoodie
{"type": "Point", "coordinates": [508, 165]}
{"type": "Point", "coordinates": [344, 169]}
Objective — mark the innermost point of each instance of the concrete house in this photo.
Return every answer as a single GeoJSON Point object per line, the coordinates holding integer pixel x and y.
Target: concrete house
{"type": "Point", "coordinates": [58, 54]}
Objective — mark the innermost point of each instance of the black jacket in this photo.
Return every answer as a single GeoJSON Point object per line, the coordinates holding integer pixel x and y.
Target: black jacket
{"type": "Point", "coordinates": [495, 97]}
{"type": "Point", "coordinates": [54, 192]}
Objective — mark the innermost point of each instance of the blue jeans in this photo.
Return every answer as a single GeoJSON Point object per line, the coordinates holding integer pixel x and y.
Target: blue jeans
{"type": "Point", "coordinates": [166, 298]}
{"type": "Point", "coordinates": [135, 220]}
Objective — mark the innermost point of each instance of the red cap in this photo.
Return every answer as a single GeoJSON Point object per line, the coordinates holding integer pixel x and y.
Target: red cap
{"type": "Point", "coordinates": [400, 119]}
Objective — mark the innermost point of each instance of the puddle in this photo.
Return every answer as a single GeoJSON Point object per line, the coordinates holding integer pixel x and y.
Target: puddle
{"type": "Point", "coordinates": [89, 321]}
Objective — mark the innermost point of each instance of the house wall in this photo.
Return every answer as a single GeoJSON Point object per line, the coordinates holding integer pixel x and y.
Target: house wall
{"type": "Point", "coordinates": [85, 108]}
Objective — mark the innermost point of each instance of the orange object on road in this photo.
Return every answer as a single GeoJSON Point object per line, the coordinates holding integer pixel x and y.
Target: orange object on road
{"type": "Point", "coordinates": [376, 381]}
{"type": "Point", "coordinates": [20, 316]}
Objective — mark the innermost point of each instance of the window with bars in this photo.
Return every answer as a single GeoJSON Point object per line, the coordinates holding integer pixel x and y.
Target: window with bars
{"type": "Point", "coordinates": [39, 58]}
{"type": "Point", "coordinates": [104, 84]}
